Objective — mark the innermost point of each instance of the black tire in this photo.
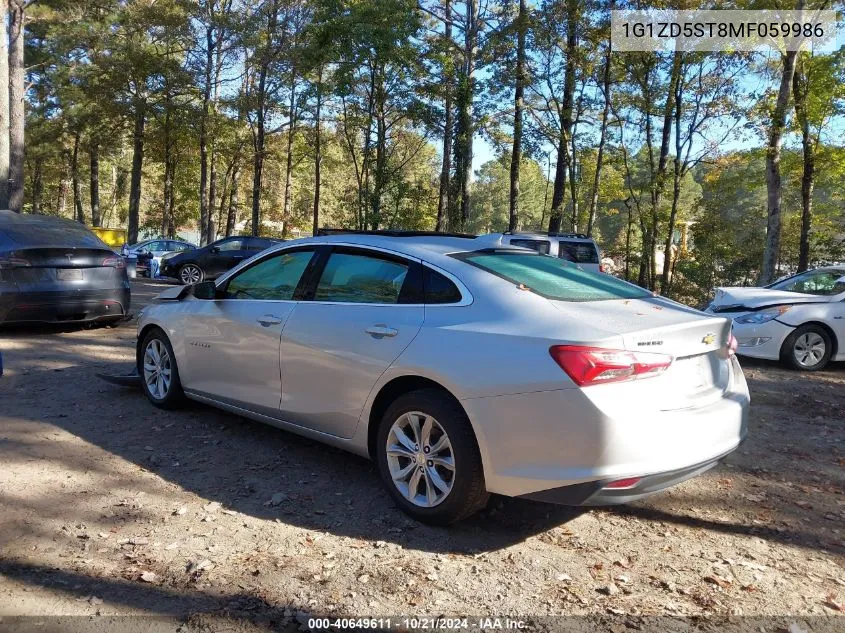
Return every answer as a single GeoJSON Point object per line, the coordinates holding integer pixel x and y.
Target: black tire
{"type": "Point", "coordinates": [468, 493]}
{"type": "Point", "coordinates": [182, 271]}
{"type": "Point", "coordinates": [790, 352]}
{"type": "Point", "coordinates": [174, 396]}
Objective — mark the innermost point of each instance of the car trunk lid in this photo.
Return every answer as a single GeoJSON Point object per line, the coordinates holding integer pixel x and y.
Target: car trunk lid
{"type": "Point", "coordinates": [695, 340]}
{"type": "Point", "coordinates": [50, 266]}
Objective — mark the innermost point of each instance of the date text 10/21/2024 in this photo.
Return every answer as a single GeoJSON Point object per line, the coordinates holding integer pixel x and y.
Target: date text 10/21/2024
{"type": "Point", "coordinates": [421, 623]}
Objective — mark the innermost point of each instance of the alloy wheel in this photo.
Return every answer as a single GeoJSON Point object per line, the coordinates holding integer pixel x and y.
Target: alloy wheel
{"type": "Point", "coordinates": [190, 274]}
{"type": "Point", "coordinates": [420, 459]}
{"type": "Point", "coordinates": [809, 349]}
{"type": "Point", "coordinates": [158, 369]}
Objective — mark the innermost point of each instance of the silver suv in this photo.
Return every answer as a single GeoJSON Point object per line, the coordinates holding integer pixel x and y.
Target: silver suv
{"type": "Point", "coordinates": [573, 247]}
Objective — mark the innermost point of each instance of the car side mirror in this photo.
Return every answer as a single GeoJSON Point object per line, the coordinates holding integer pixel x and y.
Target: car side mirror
{"type": "Point", "coordinates": [205, 290]}
{"type": "Point", "coordinates": [215, 249]}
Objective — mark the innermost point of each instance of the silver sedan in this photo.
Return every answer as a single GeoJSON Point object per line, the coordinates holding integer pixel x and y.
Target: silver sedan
{"type": "Point", "coordinates": [461, 369]}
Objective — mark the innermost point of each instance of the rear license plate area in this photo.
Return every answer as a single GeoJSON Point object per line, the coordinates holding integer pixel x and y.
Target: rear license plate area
{"type": "Point", "coordinates": [69, 274]}
{"type": "Point", "coordinates": [694, 374]}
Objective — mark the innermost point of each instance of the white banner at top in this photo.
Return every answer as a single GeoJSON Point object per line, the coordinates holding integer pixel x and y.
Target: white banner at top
{"type": "Point", "coordinates": [726, 31]}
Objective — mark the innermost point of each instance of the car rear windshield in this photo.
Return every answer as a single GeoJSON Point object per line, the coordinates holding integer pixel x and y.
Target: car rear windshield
{"type": "Point", "coordinates": [578, 252]}
{"type": "Point", "coordinates": [552, 278]}
{"type": "Point", "coordinates": [43, 231]}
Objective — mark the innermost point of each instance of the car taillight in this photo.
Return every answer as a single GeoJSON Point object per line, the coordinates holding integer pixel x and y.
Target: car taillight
{"type": "Point", "coordinates": [14, 262]}
{"type": "Point", "coordinates": [114, 262]}
{"type": "Point", "coordinates": [595, 365]}
{"type": "Point", "coordinates": [730, 348]}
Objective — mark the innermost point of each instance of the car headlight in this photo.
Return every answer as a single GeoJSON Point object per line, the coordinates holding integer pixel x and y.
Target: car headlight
{"type": "Point", "coordinates": [763, 316]}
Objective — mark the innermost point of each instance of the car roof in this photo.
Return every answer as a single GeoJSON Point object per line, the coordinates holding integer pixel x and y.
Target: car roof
{"type": "Point", "coordinates": [434, 249]}
{"type": "Point", "coordinates": [569, 237]}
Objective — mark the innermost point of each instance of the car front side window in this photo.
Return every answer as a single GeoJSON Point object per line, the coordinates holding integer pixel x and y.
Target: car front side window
{"type": "Point", "coordinates": [230, 245]}
{"type": "Point", "coordinates": [272, 279]}
{"type": "Point", "coordinates": [360, 278]}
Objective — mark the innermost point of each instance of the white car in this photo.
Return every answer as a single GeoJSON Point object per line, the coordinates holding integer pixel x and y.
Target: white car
{"type": "Point", "coordinates": [799, 320]}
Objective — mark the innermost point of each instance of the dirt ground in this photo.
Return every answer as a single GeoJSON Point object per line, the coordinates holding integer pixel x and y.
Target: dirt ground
{"type": "Point", "coordinates": [109, 506]}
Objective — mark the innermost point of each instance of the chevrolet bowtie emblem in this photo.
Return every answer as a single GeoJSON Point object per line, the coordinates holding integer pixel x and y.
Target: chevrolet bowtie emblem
{"type": "Point", "coordinates": [708, 338]}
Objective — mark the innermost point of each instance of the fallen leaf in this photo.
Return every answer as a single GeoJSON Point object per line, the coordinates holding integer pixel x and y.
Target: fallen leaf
{"type": "Point", "coordinates": [716, 580]}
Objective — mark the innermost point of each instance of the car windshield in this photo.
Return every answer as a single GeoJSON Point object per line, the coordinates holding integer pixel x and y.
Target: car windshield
{"type": "Point", "coordinates": [814, 282]}
{"type": "Point", "coordinates": [552, 278]}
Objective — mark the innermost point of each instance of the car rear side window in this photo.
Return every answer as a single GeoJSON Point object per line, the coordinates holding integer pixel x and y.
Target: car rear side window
{"type": "Point", "coordinates": [578, 252]}
{"type": "Point", "coordinates": [257, 244]}
{"type": "Point", "coordinates": [541, 246]}
{"type": "Point", "coordinates": [438, 288]}
{"type": "Point", "coordinates": [359, 278]}
{"type": "Point", "coordinates": [272, 279]}
{"type": "Point", "coordinates": [550, 277]}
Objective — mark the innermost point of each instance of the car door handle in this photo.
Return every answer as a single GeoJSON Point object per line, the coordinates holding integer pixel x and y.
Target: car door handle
{"type": "Point", "coordinates": [269, 319]}
{"type": "Point", "coordinates": [381, 331]}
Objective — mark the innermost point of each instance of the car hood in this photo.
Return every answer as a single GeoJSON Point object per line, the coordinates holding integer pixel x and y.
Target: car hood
{"type": "Point", "coordinates": [174, 293]}
{"type": "Point", "coordinates": [744, 299]}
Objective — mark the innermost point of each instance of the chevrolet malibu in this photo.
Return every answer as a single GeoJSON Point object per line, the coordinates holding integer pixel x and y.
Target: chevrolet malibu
{"type": "Point", "coordinates": [461, 369]}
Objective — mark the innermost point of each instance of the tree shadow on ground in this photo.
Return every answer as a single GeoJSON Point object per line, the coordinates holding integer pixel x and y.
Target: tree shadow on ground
{"type": "Point", "coordinates": [242, 465]}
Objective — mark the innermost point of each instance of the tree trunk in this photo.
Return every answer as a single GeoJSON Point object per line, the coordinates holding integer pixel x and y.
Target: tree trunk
{"type": "Point", "coordinates": [232, 215]}
{"type": "Point", "coordinates": [94, 155]}
{"type": "Point", "coordinates": [800, 92]}
{"type": "Point", "coordinates": [74, 175]}
{"type": "Point", "coordinates": [771, 252]}
{"type": "Point", "coordinates": [605, 115]}
{"type": "Point", "coordinates": [562, 169]}
{"type": "Point", "coordinates": [258, 153]}
{"type": "Point", "coordinates": [137, 166]}
{"type": "Point", "coordinates": [206, 106]}
{"type": "Point", "coordinates": [288, 196]}
{"type": "Point", "coordinates": [37, 185]}
{"type": "Point", "coordinates": [676, 191]}
{"type": "Point", "coordinates": [558, 189]}
{"type": "Point", "coordinates": [167, 221]}
{"type": "Point", "coordinates": [443, 201]}
{"type": "Point", "coordinates": [380, 174]}
{"type": "Point", "coordinates": [211, 234]}
{"type": "Point", "coordinates": [61, 201]}
{"type": "Point", "coordinates": [17, 112]}
{"type": "Point", "coordinates": [318, 156]}
{"type": "Point", "coordinates": [519, 92]}
{"type": "Point", "coordinates": [4, 107]}
{"type": "Point", "coordinates": [659, 181]}
{"type": "Point", "coordinates": [466, 128]}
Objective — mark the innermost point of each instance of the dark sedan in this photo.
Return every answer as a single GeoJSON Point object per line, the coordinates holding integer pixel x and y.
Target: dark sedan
{"type": "Point", "coordinates": [211, 261]}
{"type": "Point", "coordinates": [55, 270]}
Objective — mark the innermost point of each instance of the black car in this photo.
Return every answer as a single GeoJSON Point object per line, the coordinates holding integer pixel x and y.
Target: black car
{"type": "Point", "coordinates": [211, 261]}
{"type": "Point", "coordinates": [55, 270]}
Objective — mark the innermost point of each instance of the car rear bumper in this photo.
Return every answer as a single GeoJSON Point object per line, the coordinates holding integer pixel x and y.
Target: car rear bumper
{"type": "Point", "coordinates": [64, 306]}
{"type": "Point", "coordinates": [594, 493]}
{"type": "Point", "coordinates": [536, 444]}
